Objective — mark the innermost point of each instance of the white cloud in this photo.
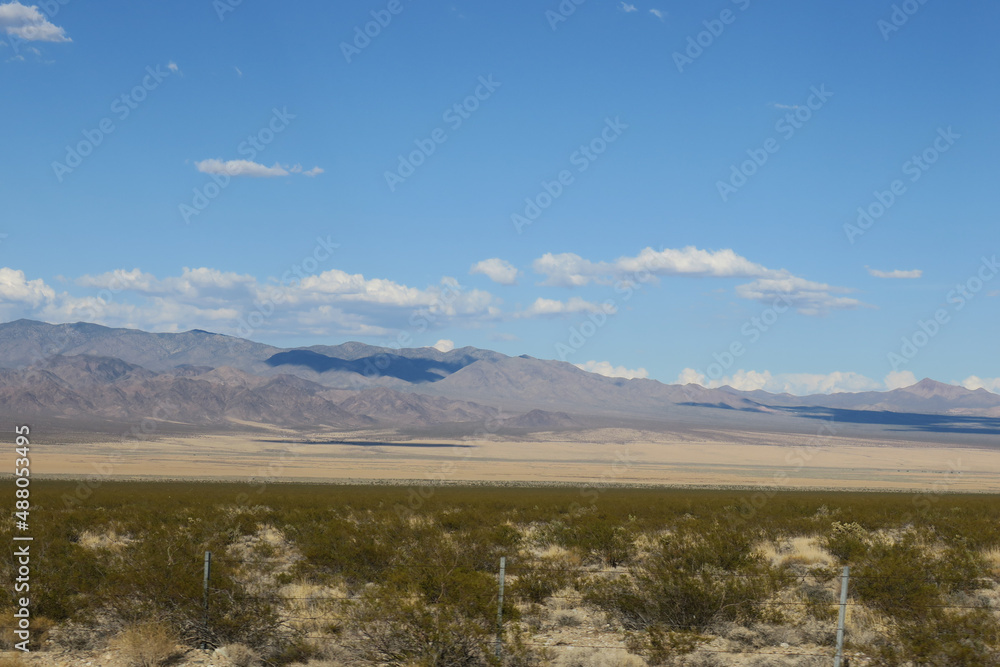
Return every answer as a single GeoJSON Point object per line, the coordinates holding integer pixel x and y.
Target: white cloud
{"type": "Point", "coordinates": [297, 169]}
{"type": "Point", "coordinates": [976, 382]}
{"type": "Point", "coordinates": [690, 376]}
{"type": "Point", "coordinates": [799, 384]}
{"type": "Point", "coordinates": [808, 297]}
{"type": "Point", "coordinates": [28, 24]}
{"type": "Point", "coordinates": [239, 72]}
{"type": "Point", "coordinates": [786, 106]}
{"type": "Point", "coordinates": [899, 379]}
{"type": "Point", "coordinates": [240, 168]}
{"type": "Point", "coordinates": [898, 273]}
{"type": "Point", "coordinates": [571, 270]}
{"type": "Point", "coordinates": [497, 270]}
{"type": "Point", "coordinates": [15, 288]}
{"type": "Point", "coordinates": [625, 7]}
{"type": "Point", "coordinates": [329, 303]}
{"type": "Point", "coordinates": [658, 14]}
{"type": "Point", "coordinates": [605, 368]}
{"type": "Point", "coordinates": [444, 345]}
{"type": "Point", "coordinates": [192, 283]}
{"type": "Point", "coordinates": [547, 307]}
{"type": "Point", "coordinates": [172, 66]}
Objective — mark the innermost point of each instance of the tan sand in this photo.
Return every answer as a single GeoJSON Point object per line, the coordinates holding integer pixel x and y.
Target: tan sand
{"type": "Point", "coordinates": [615, 456]}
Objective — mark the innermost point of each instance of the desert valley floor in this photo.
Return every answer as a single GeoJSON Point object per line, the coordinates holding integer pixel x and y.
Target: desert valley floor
{"type": "Point", "coordinates": [599, 456]}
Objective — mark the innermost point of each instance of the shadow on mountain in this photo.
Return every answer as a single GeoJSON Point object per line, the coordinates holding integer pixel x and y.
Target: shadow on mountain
{"type": "Point", "coordinates": [370, 443]}
{"type": "Point", "coordinates": [720, 406]}
{"type": "Point", "coordinates": [903, 421]}
{"type": "Point", "coordinates": [416, 371]}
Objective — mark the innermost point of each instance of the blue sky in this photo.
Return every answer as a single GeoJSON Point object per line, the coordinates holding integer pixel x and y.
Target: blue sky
{"type": "Point", "coordinates": [268, 170]}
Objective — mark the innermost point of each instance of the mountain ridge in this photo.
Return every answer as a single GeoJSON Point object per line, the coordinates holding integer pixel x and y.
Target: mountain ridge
{"type": "Point", "coordinates": [83, 368]}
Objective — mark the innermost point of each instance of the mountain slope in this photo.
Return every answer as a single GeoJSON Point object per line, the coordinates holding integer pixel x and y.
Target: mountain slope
{"type": "Point", "coordinates": [200, 377]}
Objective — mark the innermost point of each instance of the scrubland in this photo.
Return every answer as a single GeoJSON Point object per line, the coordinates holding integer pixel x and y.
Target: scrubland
{"type": "Point", "coordinates": [384, 575]}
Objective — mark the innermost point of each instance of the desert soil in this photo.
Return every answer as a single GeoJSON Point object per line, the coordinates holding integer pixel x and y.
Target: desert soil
{"type": "Point", "coordinates": [611, 456]}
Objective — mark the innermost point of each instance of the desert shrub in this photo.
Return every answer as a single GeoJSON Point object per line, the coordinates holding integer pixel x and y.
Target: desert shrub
{"type": "Point", "coordinates": [690, 582]}
{"type": "Point", "coordinates": [296, 650]}
{"type": "Point", "coordinates": [407, 632]}
{"type": "Point", "coordinates": [355, 551]}
{"type": "Point", "coordinates": [660, 645]}
{"type": "Point", "coordinates": [602, 538]}
{"type": "Point", "coordinates": [241, 656]}
{"type": "Point", "coordinates": [847, 541]}
{"type": "Point", "coordinates": [569, 619]}
{"type": "Point", "coordinates": [535, 584]}
{"type": "Point", "coordinates": [151, 582]}
{"type": "Point", "coordinates": [442, 552]}
{"type": "Point", "coordinates": [147, 644]}
{"type": "Point", "coordinates": [895, 579]}
{"type": "Point", "coordinates": [956, 638]}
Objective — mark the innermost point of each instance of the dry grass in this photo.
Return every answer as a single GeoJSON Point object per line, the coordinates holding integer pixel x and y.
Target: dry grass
{"type": "Point", "coordinates": [863, 626]}
{"type": "Point", "coordinates": [309, 607]}
{"type": "Point", "coordinates": [239, 655]}
{"type": "Point", "coordinates": [11, 661]}
{"type": "Point", "coordinates": [145, 645]}
{"type": "Point", "coordinates": [555, 552]}
{"type": "Point", "coordinates": [109, 540]}
{"type": "Point", "coordinates": [565, 599]}
{"type": "Point", "coordinates": [800, 550]}
{"type": "Point", "coordinates": [594, 657]}
{"type": "Point", "coordinates": [992, 556]}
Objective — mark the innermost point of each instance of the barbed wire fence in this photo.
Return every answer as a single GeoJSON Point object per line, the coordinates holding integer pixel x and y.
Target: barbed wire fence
{"type": "Point", "coordinates": [326, 605]}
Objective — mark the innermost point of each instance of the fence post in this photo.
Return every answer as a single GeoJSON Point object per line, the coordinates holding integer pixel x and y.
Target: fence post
{"type": "Point", "coordinates": [838, 658]}
{"type": "Point", "coordinates": [503, 565]}
{"type": "Point", "coordinates": [208, 569]}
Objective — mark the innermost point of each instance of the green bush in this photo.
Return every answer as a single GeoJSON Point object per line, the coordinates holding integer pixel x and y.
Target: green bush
{"type": "Point", "coordinates": [692, 581]}
{"type": "Point", "coordinates": [400, 633]}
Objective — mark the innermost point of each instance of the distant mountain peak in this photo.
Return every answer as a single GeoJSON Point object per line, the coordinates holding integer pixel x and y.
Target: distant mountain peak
{"type": "Point", "coordinates": [928, 388]}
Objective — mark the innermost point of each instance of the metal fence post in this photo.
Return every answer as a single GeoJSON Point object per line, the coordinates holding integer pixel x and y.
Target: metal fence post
{"type": "Point", "coordinates": [838, 658]}
{"type": "Point", "coordinates": [503, 565]}
{"type": "Point", "coordinates": [208, 569]}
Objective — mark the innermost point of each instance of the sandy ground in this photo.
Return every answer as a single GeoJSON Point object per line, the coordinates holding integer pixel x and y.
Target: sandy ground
{"type": "Point", "coordinates": [615, 456]}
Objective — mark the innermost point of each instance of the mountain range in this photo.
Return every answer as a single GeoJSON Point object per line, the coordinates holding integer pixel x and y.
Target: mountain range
{"type": "Point", "coordinates": [197, 378]}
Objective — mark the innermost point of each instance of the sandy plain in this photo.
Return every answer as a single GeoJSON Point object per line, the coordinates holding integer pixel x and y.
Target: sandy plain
{"type": "Point", "coordinates": [601, 456]}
